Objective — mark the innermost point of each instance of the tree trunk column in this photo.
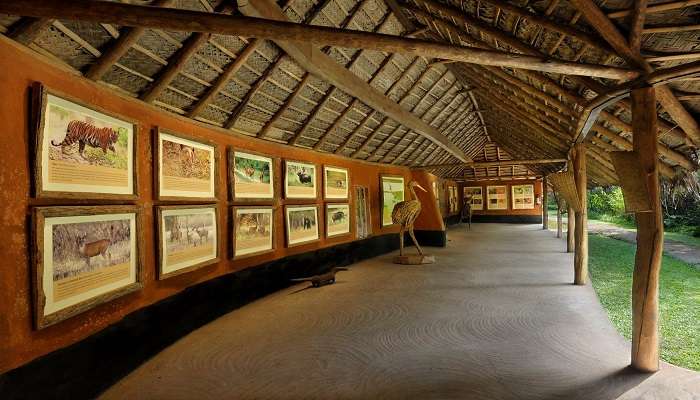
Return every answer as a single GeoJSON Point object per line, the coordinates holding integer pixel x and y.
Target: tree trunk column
{"type": "Point", "coordinates": [581, 228]}
{"type": "Point", "coordinates": [650, 232]}
{"type": "Point", "coordinates": [570, 226]}
{"type": "Point", "coordinates": [545, 199]}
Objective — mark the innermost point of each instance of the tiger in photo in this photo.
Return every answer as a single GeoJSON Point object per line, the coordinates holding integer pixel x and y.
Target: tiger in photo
{"type": "Point", "coordinates": [86, 133]}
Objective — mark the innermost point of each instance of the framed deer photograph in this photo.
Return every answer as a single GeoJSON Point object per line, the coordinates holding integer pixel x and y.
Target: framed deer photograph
{"type": "Point", "coordinates": [85, 256]}
{"type": "Point", "coordinates": [187, 238]}
{"type": "Point", "coordinates": [253, 230]}
{"type": "Point", "coordinates": [299, 180]}
{"type": "Point", "coordinates": [185, 168]}
{"type": "Point", "coordinates": [251, 176]}
{"type": "Point", "coordinates": [337, 219]}
{"type": "Point", "coordinates": [80, 151]}
{"type": "Point", "coordinates": [335, 183]}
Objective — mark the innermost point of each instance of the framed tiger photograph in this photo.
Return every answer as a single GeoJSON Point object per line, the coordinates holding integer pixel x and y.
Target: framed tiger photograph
{"type": "Point", "coordinates": [81, 151]}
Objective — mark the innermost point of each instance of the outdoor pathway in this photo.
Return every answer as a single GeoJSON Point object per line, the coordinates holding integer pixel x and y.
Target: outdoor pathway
{"type": "Point", "coordinates": [681, 251]}
{"type": "Point", "coordinates": [495, 318]}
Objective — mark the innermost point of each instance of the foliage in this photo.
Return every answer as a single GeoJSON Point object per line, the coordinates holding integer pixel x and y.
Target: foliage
{"type": "Point", "coordinates": [611, 263]}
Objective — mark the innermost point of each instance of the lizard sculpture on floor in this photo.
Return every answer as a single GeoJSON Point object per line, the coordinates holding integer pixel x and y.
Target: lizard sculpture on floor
{"type": "Point", "coordinates": [321, 279]}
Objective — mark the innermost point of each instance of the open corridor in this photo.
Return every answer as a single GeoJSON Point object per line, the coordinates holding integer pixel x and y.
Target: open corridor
{"type": "Point", "coordinates": [495, 318]}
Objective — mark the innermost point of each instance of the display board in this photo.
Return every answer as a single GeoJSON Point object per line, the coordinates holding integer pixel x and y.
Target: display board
{"type": "Point", "coordinates": [497, 197]}
{"type": "Point", "coordinates": [523, 197]}
{"type": "Point", "coordinates": [476, 195]}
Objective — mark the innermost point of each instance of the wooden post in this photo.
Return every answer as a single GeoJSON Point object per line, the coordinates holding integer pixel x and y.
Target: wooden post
{"type": "Point", "coordinates": [560, 222]}
{"type": "Point", "coordinates": [650, 233]}
{"type": "Point", "coordinates": [545, 212]}
{"type": "Point", "coordinates": [570, 227]}
{"type": "Point", "coordinates": [581, 228]}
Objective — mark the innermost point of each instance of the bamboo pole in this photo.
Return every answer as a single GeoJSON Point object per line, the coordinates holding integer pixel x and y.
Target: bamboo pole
{"type": "Point", "coordinates": [545, 199]}
{"type": "Point", "coordinates": [650, 233]}
{"type": "Point", "coordinates": [205, 22]}
{"type": "Point", "coordinates": [581, 229]}
{"type": "Point", "coordinates": [560, 222]}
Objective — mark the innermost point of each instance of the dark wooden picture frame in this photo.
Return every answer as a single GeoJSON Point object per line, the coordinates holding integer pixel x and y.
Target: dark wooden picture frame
{"type": "Point", "coordinates": [157, 168]}
{"type": "Point", "coordinates": [40, 99]}
{"type": "Point", "coordinates": [274, 163]}
{"type": "Point", "coordinates": [39, 217]}
{"type": "Point", "coordinates": [381, 196]}
{"type": "Point", "coordinates": [287, 235]}
{"type": "Point", "coordinates": [324, 183]}
{"type": "Point", "coordinates": [233, 227]}
{"type": "Point", "coordinates": [285, 164]}
{"type": "Point", "coordinates": [328, 220]}
{"type": "Point", "coordinates": [159, 235]}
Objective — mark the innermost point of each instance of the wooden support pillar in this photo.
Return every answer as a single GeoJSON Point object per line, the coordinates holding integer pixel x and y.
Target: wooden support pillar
{"type": "Point", "coordinates": [545, 199]}
{"type": "Point", "coordinates": [650, 237]}
{"type": "Point", "coordinates": [581, 228]}
{"type": "Point", "coordinates": [560, 222]}
{"type": "Point", "coordinates": [570, 227]}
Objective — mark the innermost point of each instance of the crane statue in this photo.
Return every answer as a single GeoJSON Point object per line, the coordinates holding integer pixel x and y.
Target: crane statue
{"type": "Point", "coordinates": [405, 214]}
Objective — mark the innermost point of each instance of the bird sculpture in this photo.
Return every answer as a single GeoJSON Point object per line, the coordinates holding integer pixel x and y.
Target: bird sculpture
{"type": "Point", "coordinates": [405, 214]}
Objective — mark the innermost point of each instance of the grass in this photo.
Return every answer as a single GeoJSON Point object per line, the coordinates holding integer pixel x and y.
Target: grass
{"type": "Point", "coordinates": [611, 262]}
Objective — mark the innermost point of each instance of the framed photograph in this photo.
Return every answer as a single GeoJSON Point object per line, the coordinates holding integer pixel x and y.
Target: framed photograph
{"type": "Point", "coordinates": [523, 197]}
{"type": "Point", "coordinates": [393, 191]}
{"type": "Point", "coordinates": [497, 197]}
{"type": "Point", "coordinates": [301, 224]}
{"type": "Point", "coordinates": [81, 152]}
{"type": "Point", "coordinates": [251, 176]}
{"type": "Point", "coordinates": [299, 180]}
{"type": "Point", "coordinates": [187, 239]}
{"type": "Point", "coordinates": [337, 219]}
{"type": "Point", "coordinates": [185, 168]}
{"type": "Point", "coordinates": [85, 256]}
{"type": "Point", "coordinates": [335, 183]}
{"type": "Point", "coordinates": [253, 231]}
{"type": "Point", "coordinates": [477, 196]}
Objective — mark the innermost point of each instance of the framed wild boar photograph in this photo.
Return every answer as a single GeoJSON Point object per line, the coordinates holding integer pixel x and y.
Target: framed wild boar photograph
{"type": "Point", "coordinates": [299, 180]}
{"type": "Point", "coordinates": [392, 192]}
{"type": "Point", "coordinates": [337, 219]}
{"type": "Point", "coordinates": [81, 152]}
{"type": "Point", "coordinates": [253, 230]}
{"type": "Point", "coordinates": [187, 238]}
{"type": "Point", "coordinates": [251, 176]}
{"type": "Point", "coordinates": [335, 183]}
{"type": "Point", "coordinates": [85, 256]}
{"type": "Point", "coordinates": [186, 168]}
{"type": "Point", "coordinates": [301, 224]}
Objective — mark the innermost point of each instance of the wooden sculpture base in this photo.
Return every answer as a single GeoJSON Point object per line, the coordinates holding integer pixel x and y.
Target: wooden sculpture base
{"type": "Point", "coordinates": [414, 259]}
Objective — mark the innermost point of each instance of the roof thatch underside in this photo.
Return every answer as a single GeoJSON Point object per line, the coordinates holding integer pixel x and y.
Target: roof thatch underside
{"type": "Point", "coordinates": [490, 113]}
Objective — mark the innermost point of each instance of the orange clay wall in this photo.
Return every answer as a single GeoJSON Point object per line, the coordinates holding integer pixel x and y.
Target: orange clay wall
{"type": "Point", "coordinates": [21, 67]}
{"type": "Point", "coordinates": [510, 211]}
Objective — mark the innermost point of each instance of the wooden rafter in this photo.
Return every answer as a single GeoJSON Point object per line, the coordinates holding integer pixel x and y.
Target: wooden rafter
{"type": "Point", "coordinates": [28, 29]}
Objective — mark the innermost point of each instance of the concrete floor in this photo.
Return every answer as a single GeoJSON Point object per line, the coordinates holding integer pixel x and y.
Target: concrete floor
{"type": "Point", "coordinates": [495, 318]}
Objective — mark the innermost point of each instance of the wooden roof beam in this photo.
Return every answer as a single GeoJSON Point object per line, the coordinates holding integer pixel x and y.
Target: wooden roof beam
{"type": "Point", "coordinates": [674, 5]}
{"type": "Point", "coordinates": [28, 29]}
{"type": "Point", "coordinates": [270, 25]}
{"type": "Point", "coordinates": [500, 163]}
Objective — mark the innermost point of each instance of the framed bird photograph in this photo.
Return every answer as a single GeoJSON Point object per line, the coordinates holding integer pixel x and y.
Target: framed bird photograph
{"type": "Point", "coordinates": [392, 192]}
{"type": "Point", "coordinates": [299, 180]}
{"type": "Point", "coordinates": [81, 151]}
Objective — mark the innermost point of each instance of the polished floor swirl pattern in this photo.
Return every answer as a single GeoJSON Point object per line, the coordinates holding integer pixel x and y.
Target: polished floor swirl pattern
{"type": "Point", "coordinates": [495, 318]}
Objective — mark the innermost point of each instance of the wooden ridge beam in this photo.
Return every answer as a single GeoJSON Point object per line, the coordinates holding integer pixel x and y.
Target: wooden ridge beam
{"type": "Point", "coordinates": [272, 27]}
{"type": "Point", "coordinates": [500, 163]}
{"type": "Point", "coordinates": [657, 8]}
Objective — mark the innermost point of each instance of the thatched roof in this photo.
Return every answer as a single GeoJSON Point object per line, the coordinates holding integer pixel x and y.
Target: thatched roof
{"type": "Point", "coordinates": [253, 87]}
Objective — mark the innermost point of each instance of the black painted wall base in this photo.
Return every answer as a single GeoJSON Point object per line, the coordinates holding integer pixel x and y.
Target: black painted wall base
{"type": "Point", "coordinates": [454, 219]}
{"type": "Point", "coordinates": [511, 219]}
{"type": "Point", "coordinates": [428, 238]}
{"type": "Point", "coordinates": [85, 369]}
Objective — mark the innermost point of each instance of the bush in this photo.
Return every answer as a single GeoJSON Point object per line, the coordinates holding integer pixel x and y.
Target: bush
{"type": "Point", "coordinates": [606, 201]}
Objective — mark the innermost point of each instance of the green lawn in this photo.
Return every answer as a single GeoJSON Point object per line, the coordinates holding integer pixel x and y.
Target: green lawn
{"type": "Point", "coordinates": [611, 262]}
